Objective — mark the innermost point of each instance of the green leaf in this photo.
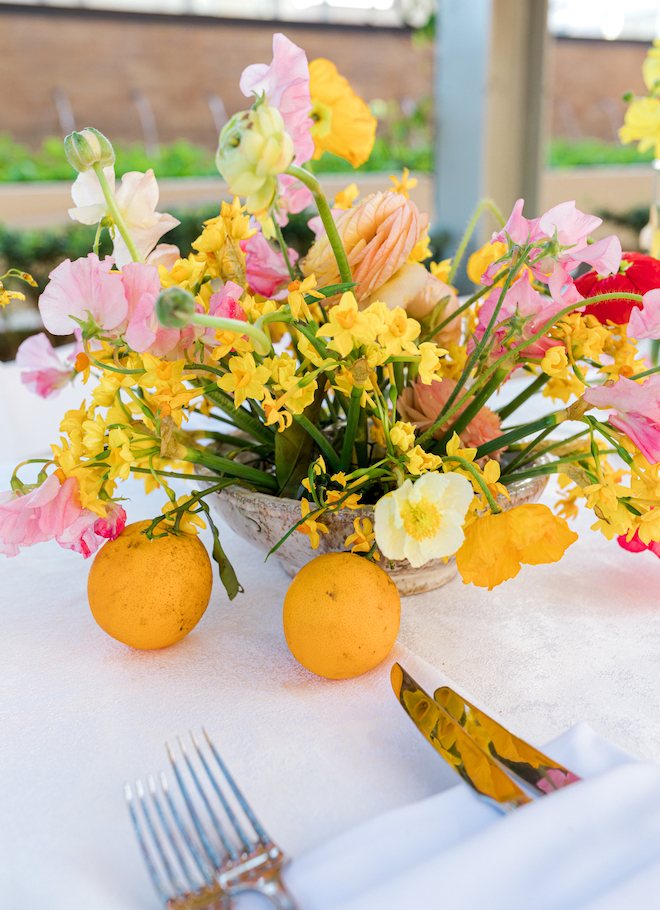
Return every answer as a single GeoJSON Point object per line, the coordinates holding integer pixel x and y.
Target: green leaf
{"type": "Point", "coordinates": [225, 568]}
{"type": "Point", "coordinates": [294, 449]}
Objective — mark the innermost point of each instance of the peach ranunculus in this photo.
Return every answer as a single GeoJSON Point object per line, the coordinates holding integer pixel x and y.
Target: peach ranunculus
{"type": "Point", "coordinates": [378, 235]}
{"type": "Point", "coordinates": [420, 404]}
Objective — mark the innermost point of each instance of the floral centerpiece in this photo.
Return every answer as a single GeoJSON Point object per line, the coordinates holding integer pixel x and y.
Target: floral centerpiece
{"type": "Point", "coordinates": [351, 375]}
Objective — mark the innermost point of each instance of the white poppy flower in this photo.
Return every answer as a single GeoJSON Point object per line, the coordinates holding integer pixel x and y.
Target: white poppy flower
{"type": "Point", "coordinates": [423, 520]}
{"type": "Point", "coordinates": [136, 198]}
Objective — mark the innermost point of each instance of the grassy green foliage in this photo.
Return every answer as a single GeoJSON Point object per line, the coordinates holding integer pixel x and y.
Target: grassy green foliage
{"type": "Point", "coordinates": [593, 152]}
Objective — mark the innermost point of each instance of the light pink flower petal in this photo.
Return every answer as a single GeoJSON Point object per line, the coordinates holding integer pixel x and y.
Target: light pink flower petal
{"type": "Point", "coordinates": [521, 230]}
{"type": "Point", "coordinates": [39, 515]}
{"type": "Point", "coordinates": [562, 288]}
{"type": "Point", "coordinates": [285, 84]}
{"type": "Point", "coordinates": [165, 254]}
{"type": "Point", "coordinates": [137, 198]}
{"type": "Point", "coordinates": [47, 374]}
{"type": "Point", "coordinates": [294, 198]}
{"type": "Point", "coordinates": [265, 268]}
{"type": "Point", "coordinates": [637, 408]}
{"type": "Point", "coordinates": [79, 536]}
{"type": "Point", "coordinates": [225, 302]}
{"type": "Point", "coordinates": [86, 286]}
{"type": "Point", "coordinates": [604, 256]}
{"type": "Point", "coordinates": [645, 323]}
{"type": "Point", "coordinates": [87, 194]}
{"type": "Point", "coordinates": [572, 226]}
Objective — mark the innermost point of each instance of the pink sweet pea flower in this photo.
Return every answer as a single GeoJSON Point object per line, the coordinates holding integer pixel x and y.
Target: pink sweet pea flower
{"type": "Point", "coordinates": [645, 323]}
{"type": "Point", "coordinates": [522, 301]}
{"type": "Point", "coordinates": [285, 85]}
{"type": "Point", "coordinates": [143, 332]}
{"type": "Point", "coordinates": [224, 303]}
{"type": "Point", "coordinates": [294, 198]}
{"type": "Point", "coordinates": [637, 411]}
{"type": "Point", "coordinates": [46, 375]}
{"type": "Point", "coordinates": [113, 523]}
{"type": "Point", "coordinates": [572, 226]}
{"type": "Point", "coordinates": [136, 198]}
{"type": "Point", "coordinates": [520, 230]}
{"type": "Point", "coordinates": [42, 514]}
{"type": "Point", "coordinates": [265, 268]}
{"type": "Point", "coordinates": [86, 286]}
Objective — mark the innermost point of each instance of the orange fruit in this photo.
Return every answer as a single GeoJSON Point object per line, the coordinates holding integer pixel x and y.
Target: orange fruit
{"type": "Point", "coordinates": [149, 593]}
{"type": "Point", "coordinates": [341, 615]}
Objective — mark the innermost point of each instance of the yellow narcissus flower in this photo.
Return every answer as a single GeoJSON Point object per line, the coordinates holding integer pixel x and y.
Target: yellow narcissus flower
{"type": "Point", "coordinates": [245, 379]}
{"type": "Point", "coordinates": [496, 545]}
{"type": "Point", "coordinates": [642, 122]}
{"type": "Point", "coordinates": [555, 362]}
{"type": "Point", "coordinates": [343, 124]}
{"type": "Point", "coordinates": [347, 326]}
{"type": "Point", "coordinates": [423, 520]}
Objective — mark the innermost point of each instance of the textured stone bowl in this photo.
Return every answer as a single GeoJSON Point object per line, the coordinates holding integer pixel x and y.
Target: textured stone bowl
{"type": "Point", "coordinates": [262, 520]}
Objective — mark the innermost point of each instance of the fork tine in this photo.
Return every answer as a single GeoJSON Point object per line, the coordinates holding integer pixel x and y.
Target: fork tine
{"type": "Point", "coordinates": [153, 872]}
{"type": "Point", "coordinates": [225, 805]}
{"type": "Point", "coordinates": [261, 834]}
{"type": "Point", "coordinates": [175, 884]}
{"type": "Point", "coordinates": [229, 847]}
{"type": "Point", "coordinates": [200, 862]}
{"type": "Point", "coordinates": [210, 852]}
{"type": "Point", "coordinates": [183, 865]}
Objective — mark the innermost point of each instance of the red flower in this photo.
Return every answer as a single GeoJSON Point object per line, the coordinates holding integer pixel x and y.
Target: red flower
{"type": "Point", "coordinates": [635, 545]}
{"type": "Point", "coordinates": [637, 274]}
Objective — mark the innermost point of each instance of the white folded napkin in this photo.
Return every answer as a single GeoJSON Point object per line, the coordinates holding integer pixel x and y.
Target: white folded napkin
{"type": "Point", "coordinates": [594, 845]}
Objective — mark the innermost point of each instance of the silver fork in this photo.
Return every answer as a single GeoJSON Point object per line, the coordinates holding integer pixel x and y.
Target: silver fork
{"type": "Point", "coordinates": [197, 850]}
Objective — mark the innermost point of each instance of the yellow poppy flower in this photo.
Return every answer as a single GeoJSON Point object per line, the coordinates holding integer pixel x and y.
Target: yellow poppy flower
{"type": "Point", "coordinates": [343, 124]}
{"type": "Point", "coordinates": [496, 545]}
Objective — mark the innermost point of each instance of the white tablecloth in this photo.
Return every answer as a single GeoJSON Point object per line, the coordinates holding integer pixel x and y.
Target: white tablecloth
{"type": "Point", "coordinates": [81, 713]}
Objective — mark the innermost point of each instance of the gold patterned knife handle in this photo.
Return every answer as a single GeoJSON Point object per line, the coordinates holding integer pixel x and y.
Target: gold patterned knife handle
{"type": "Point", "coordinates": [458, 749]}
{"type": "Point", "coordinates": [531, 766]}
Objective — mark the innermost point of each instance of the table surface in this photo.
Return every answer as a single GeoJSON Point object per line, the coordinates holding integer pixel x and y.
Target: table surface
{"type": "Point", "coordinates": [578, 640]}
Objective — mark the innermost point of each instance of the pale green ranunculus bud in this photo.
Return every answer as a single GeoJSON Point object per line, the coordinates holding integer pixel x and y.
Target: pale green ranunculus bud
{"type": "Point", "coordinates": [254, 148]}
{"type": "Point", "coordinates": [88, 147]}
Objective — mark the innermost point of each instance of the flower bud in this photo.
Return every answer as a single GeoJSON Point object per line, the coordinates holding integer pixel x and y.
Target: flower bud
{"type": "Point", "coordinates": [174, 307]}
{"type": "Point", "coordinates": [254, 148]}
{"type": "Point", "coordinates": [87, 148]}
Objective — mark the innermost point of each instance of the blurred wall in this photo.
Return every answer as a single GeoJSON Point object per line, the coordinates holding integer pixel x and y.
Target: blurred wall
{"type": "Point", "coordinates": [587, 79]}
{"type": "Point", "coordinates": [97, 61]}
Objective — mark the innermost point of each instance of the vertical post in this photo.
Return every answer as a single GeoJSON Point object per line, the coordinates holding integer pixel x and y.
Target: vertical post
{"type": "Point", "coordinates": [461, 82]}
{"type": "Point", "coordinates": [515, 115]}
{"type": "Point", "coordinates": [489, 110]}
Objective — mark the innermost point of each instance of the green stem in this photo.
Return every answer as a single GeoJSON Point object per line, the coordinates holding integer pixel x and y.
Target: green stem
{"type": "Point", "coordinates": [519, 400]}
{"type": "Point", "coordinates": [446, 411]}
{"type": "Point", "coordinates": [559, 443]}
{"type": "Point", "coordinates": [97, 237]}
{"type": "Point", "coordinates": [314, 186]}
{"type": "Point", "coordinates": [480, 480]}
{"type": "Point", "coordinates": [115, 214]}
{"type": "Point", "coordinates": [486, 203]}
{"type": "Point", "coordinates": [471, 410]}
{"type": "Point", "coordinates": [225, 466]}
{"type": "Point", "coordinates": [241, 419]}
{"type": "Point", "coordinates": [351, 427]}
{"type": "Point", "coordinates": [262, 341]}
{"type": "Point", "coordinates": [461, 309]}
{"type": "Point", "coordinates": [646, 373]}
{"type": "Point", "coordinates": [520, 457]}
{"type": "Point", "coordinates": [328, 452]}
{"type": "Point", "coordinates": [501, 442]}
{"type": "Point", "coordinates": [283, 247]}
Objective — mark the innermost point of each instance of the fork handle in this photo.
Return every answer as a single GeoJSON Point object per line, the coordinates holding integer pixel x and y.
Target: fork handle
{"type": "Point", "coordinates": [272, 888]}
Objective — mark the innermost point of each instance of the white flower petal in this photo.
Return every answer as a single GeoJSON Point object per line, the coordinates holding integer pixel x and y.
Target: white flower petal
{"type": "Point", "coordinates": [390, 539]}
